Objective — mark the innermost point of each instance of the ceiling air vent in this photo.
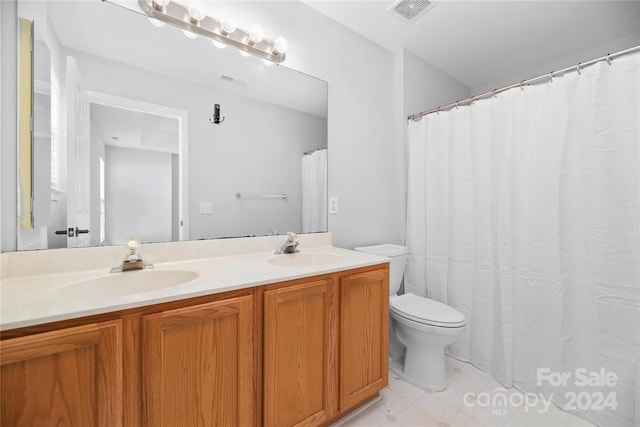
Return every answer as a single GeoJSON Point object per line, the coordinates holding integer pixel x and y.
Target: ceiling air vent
{"type": "Point", "coordinates": [409, 10]}
{"type": "Point", "coordinates": [232, 80]}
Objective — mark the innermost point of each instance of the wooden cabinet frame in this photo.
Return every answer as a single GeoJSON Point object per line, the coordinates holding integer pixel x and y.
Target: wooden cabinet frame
{"type": "Point", "coordinates": [364, 333]}
{"type": "Point", "coordinates": [300, 354]}
{"type": "Point", "coordinates": [203, 355]}
{"type": "Point", "coordinates": [47, 376]}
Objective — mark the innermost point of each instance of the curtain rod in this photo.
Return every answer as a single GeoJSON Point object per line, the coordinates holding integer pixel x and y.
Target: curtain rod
{"type": "Point", "coordinates": [548, 76]}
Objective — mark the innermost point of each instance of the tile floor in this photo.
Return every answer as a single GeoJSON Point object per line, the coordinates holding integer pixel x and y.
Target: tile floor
{"type": "Point", "coordinates": [405, 405]}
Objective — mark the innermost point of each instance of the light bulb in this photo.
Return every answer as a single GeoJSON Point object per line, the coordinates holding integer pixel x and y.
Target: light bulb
{"type": "Point", "coordinates": [267, 62]}
{"type": "Point", "coordinates": [218, 44]}
{"type": "Point", "coordinates": [280, 46]}
{"type": "Point", "coordinates": [196, 12]}
{"type": "Point", "coordinates": [227, 26]}
{"type": "Point", "coordinates": [243, 53]}
{"type": "Point", "coordinates": [156, 23]}
{"type": "Point", "coordinates": [256, 35]}
{"type": "Point", "coordinates": [189, 34]}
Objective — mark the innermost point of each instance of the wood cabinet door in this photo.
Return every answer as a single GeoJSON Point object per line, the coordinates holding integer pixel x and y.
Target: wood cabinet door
{"type": "Point", "coordinates": [300, 351]}
{"type": "Point", "coordinates": [198, 365]}
{"type": "Point", "coordinates": [364, 325]}
{"type": "Point", "coordinates": [70, 377]}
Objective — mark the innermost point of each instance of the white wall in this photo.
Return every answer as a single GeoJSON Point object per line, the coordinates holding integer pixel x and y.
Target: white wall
{"type": "Point", "coordinates": [96, 150]}
{"type": "Point", "coordinates": [251, 152]}
{"type": "Point", "coordinates": [138, 195]}
{"type": "Point", "coordinates": [593, 52]}
{"type": "Point", "coordinates": [426, 87]}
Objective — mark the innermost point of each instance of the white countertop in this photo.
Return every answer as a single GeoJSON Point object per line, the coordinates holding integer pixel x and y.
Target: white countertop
{"type": "Point", "coordinates": [27, 300]}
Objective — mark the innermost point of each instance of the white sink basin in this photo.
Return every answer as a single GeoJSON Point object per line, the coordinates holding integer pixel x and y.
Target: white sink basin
{"type": "Point", "coordinates": [127, 283]}
{"type": "Point", "coordinates": [304, 259]}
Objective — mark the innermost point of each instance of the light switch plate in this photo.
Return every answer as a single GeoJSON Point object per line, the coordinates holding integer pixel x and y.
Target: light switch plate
{"type": "Point", "coordinates": [205, 208]}
{"type": "Point", "coordinates": [333, 205]}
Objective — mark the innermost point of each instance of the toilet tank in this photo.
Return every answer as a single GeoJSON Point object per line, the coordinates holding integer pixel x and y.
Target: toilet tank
{"type": "Point", "coordinates": [397, 254]}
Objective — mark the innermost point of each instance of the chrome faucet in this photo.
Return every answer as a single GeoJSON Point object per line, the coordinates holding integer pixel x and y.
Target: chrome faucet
{"type": "Point", "coordinates": [290, 246]}
{"type": "Point", "coordinates": [132, 261]}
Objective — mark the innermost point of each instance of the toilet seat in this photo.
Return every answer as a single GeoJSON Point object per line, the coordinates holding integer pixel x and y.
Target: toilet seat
{"type": "Point", "coordinates": [426, 311]}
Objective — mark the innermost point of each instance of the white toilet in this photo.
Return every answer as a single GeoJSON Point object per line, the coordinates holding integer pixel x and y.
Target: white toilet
{"type": "Point", "coordinates": [419, 328]}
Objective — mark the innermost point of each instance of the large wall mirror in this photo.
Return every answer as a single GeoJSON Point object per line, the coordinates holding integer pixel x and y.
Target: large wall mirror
{"type": "Point", "coordinates": [123, 140]}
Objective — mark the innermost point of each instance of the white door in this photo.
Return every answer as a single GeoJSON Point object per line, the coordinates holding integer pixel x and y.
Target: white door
{"type": "Point", "coordinates": [78, 144]}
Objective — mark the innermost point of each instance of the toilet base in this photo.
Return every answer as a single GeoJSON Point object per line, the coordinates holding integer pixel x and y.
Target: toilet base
{"type": "Point", "coordinates": [397, 367]}
{"type": "Point", "coordinates": [424, 364]}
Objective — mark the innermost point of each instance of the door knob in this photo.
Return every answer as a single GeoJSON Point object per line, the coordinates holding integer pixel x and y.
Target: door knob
{"type": "Point", "coordinates": [71, 232]}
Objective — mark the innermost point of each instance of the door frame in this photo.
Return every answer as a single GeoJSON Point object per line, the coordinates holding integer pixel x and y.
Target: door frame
{"type": "Point", "coordinates": [182, 116]}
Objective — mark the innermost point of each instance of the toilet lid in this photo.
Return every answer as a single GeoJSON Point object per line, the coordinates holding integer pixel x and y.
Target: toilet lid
{"type": "Point", "coordinates": [427, 311]}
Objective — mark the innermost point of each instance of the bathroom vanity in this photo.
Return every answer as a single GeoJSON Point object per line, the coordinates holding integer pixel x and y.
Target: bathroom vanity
{"type": "Point", "coordinates": [248, 342]}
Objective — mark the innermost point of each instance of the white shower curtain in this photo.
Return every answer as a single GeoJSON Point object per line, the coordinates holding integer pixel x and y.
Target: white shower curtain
{"type": "Point", "coordinates": [314, 191]}
{"type": "Point", "coordinates": [523, 214]}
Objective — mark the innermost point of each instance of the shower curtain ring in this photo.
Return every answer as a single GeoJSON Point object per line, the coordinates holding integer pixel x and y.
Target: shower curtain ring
{"type": "Point", "coordinates": [579, 68]}
{"type": "Point", "coordinates": [609, 58]}
{"type": "Point", "coordinates": [457, 102]}
{"type": "Point", "coordinates": [551, 77]}
{"type": "Point", "coordinates": [522, 85]}
{"type": "Point", "coordinates": [493, 94]}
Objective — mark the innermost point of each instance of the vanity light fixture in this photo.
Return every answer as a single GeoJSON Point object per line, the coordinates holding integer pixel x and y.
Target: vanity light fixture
{"type": "Point", "coordinates": [256, 35]}
{"type": "Point", "coordinates": [194, 21]}
{"type": "Point", "coordinates": [196, 13]}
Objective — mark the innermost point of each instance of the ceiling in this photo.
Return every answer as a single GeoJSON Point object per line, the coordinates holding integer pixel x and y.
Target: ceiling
{"type": "Point", "coordinates": [123, 128]}
{"type": "Point", "coordinates": [478, 42]}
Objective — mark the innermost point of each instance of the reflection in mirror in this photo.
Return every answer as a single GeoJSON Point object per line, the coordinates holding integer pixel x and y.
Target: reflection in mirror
{"type": "Point", "coordinates": [142, 144]}
{"type": "Point", "coordinates": [25, 121]}
{"type": "Point", "coordinates": [34, 135]}
{"type": "Point", "coordinates": [125, 142]}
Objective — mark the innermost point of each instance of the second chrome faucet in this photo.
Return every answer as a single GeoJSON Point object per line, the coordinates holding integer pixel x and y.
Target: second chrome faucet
{"type": "Point", "coordinates": [290, 246]}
